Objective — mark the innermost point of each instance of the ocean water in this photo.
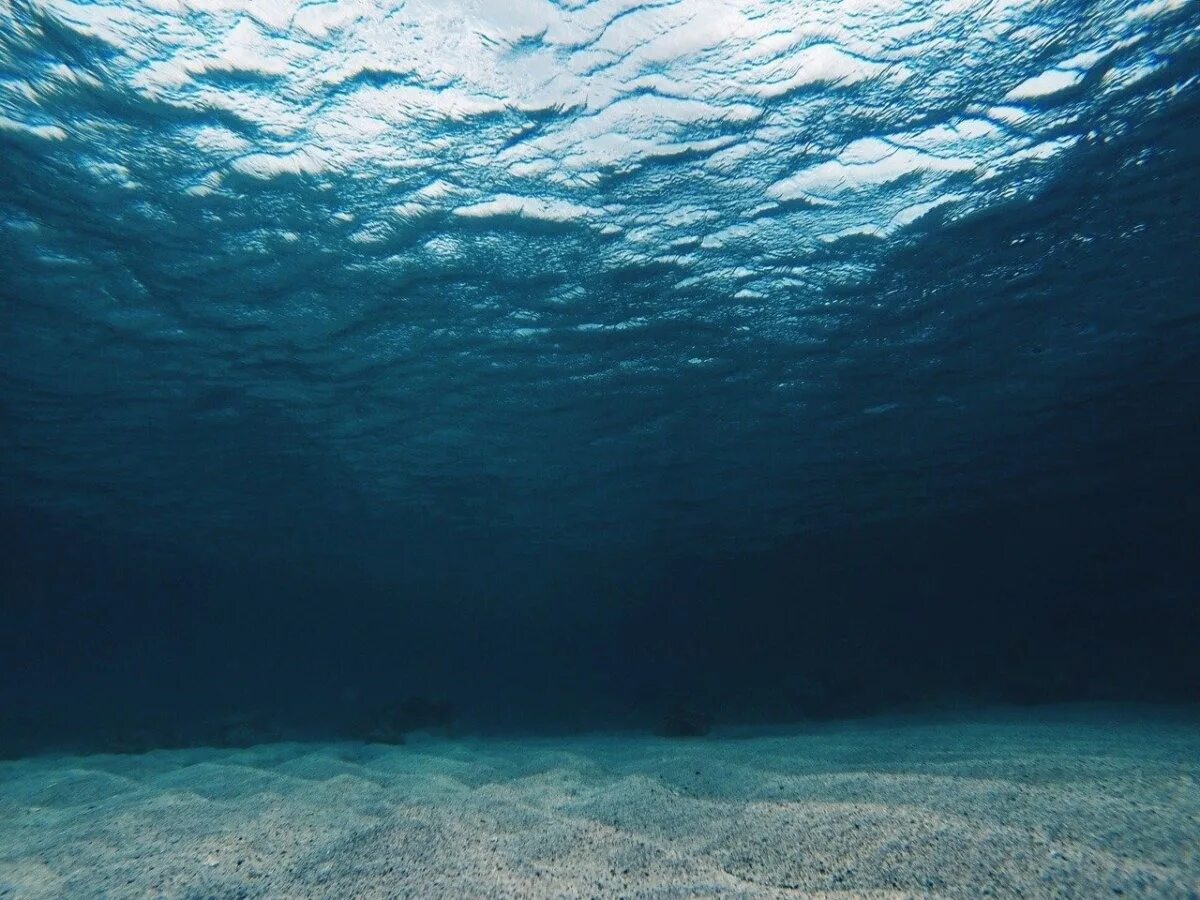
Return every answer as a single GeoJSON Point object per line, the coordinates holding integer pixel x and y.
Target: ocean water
{"type": "Point", "coordinates": [545, 366]}
{"type": "Point", "coordinates": [574, 448]}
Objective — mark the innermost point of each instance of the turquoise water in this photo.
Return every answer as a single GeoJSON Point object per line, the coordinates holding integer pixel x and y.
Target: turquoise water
{"type": "Point", "coordinates": [580, 361]}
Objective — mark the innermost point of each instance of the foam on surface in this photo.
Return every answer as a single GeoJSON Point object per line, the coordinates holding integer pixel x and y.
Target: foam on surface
{"type": "Point", "coordinates": [560, 265]}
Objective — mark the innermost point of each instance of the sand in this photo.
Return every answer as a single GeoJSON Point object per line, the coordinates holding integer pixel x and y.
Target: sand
{"type": "Point", "coordinates": [1068, 802]}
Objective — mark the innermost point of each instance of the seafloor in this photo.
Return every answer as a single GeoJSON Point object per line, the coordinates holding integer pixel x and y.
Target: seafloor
{"type": "Point", "coordinates": [1072, 802]}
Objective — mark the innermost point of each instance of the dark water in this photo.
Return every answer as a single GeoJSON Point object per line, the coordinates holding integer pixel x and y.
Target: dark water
{"type": "Point", "coordinates": [594, 364]}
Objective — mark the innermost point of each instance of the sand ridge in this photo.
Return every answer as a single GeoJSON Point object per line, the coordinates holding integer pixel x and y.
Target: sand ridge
{"type": "Point", "coordinates": [1057, 803]}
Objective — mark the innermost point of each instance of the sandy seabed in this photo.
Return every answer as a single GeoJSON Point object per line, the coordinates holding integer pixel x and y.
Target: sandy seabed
{"type": "Point", "coordinates": [1073, 802]}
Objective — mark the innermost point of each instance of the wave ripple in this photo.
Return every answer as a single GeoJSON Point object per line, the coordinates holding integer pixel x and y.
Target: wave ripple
{"type": "Point", "coordinates": [677, 265]}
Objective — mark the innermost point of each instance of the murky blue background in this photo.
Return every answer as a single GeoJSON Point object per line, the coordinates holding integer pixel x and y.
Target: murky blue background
{"type": "Point", "coordinates": [576, 361]}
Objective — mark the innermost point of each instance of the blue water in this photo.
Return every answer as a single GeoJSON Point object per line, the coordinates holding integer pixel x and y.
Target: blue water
{"type": "Point", "coordinates": [578, 360]}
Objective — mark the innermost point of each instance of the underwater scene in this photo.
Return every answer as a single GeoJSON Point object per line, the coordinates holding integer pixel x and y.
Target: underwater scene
{"type": "Point", "coordinates": [599, 448]}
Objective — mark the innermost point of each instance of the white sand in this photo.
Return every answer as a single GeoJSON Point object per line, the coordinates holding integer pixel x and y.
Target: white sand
{"type": "Point", "coordinates": [1074, 802]}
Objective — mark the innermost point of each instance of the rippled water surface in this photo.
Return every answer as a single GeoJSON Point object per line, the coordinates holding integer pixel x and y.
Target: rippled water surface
{"type": "Point", "coordinates": [583, 270]}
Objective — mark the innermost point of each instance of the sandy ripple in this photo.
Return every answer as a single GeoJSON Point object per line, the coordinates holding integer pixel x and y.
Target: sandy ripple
{"type": "Point", "coordinates": [1065, 803]}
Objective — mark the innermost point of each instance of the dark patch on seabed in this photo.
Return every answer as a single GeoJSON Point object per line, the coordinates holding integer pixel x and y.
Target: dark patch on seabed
{"type": "Point", "coordinates": [506, 400]}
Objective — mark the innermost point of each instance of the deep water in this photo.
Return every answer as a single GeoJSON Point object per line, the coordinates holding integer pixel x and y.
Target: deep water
{"type": "Point", "coordinates": [593, 364]}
